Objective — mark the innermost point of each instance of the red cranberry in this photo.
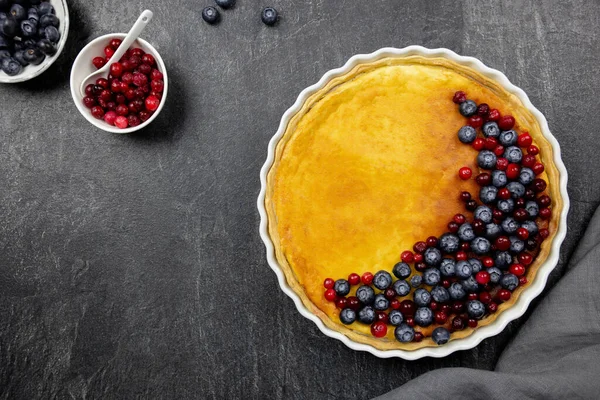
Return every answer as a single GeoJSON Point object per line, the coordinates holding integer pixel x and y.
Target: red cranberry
{"type": "Point", "coordinates": [478, 144]}
{"type": "Point", "coordinates": [492, 307]}
{"type": "Point", "coordinates": [122, 110]}
{"type": "Point", "coordinates": [513, 171]}
{"type": "Point", "coordinates": [410, 321]}
{"type": "Point", "coordinates": [367, 278]}
{"type": "Point", "coordinates": [420, 247]}
{"type": "Point", "coordinates": [465, 173]}
{"type": "Point", "coordinates": [329, 293]}
{"type": "Point", "coordinates": [89, 102]}
{"type": "Point", "coordinates": [379, 329]}
{"type": "Point", "coordinates": [459, 97]}
{"type": "Point", "coordinates": [407, 256]}
{"type": "Point", "coordinates": [102, 82]}
{"type": "Point", "coordinates": [501, 163]}
{"type": "Point", "coordinates": [328, 283]}
{"type": "Point", "coordinates": [116, 86]}
{"type": "Point", "coordinates": [538, 168]}
{"type": "Point", "coordinates": [453, 227]}
{"type": "Point", "coordinates": [110, 117]}
{"type": "Point", "coordinates": [494, 115]}
{"type": "Point", "coordinates": [478, 226]}
{"type": "Point", "coordinates": [465, 196]}
{"type": "Point", "coordinates": [522, 233]}
{"type": "Point", "coordinates": [472, 296]}
{"type": "Point", "coordinates": [156, 74]}
{"type": "Point", "coordinates": [97, 112]}
{"type": "Point", "coordinates": [544, 233]}
{"type": "Point", "coordinates": [120, 99]}
{"type": "Point", "coordinates": [102, 103]}
{"type": "Point", "coordinates": [127, 77]}
{"type": "Point", "coordinates": [440, 317]}
{"type": "Point", "coordinates": [139, 79]}
{"type": "Point", "coordinates": [433, 305]}
{"type": "Point", "coordinates": [524, 140]}
{"type": "Point", "coordinates": [148, 59]}
{"type": "Point", "coordinates": [457, 324]}
{"type": "Point", "coordinates": [446, 283]}
{"type": "Point", "coordinates": [459, 219]}
{"type": "Point", "coordinates": [382, 316]}
{"type": "Point", "coordinates": [152, 103]}
{"type": "Point", "coordinates": [145, 115]}
{"type": "Point", "coordinates": [521, 214]}
{"type": "Point", "coordinates": [145, 69]}
{"type": "Point", "coordinates": [418, 257]}
{"type": "Point", "coordinates": [471, 205]}
{"type": "Point", "coordinates": [127, 65]}
{"type": "Point", "coordinates": [545, 213]}
{"type": "Point", "coordinates": [483, 179]}
{"type": "Point", "coordinates": [544, 201]}
{"type": "Point", "coordinates": [89, 90]}
{"type": "Point", "coordinates": [472, 323]}
{"type": "Point", "coordinates": [520, 202]}
{"type": "Point", "coordinates": [483, 110]}
{"type": "Point", "coordinates": [129, 94]}
{"type": "Point", "coordinates": [116, 70]}
{"type": "Point", "coordinates": [506, 122]}
{"type": "Point", "coordinates": [122, 123]}
{"type": "Point", "coordinates": [504, 194]}
{"type": "Point", "coordinates": [105, 95]}
{"type": "Point", "coordinates": [529, 194]}
{"type": "Point", "coordinates": [137, 52]}
{"type": "Point", "coordinates": [111, 105]}
{"type": "Point", "coordinates": [533, 150]}
{"type": "Point", "coordinates": [354, 279]}
{"type": "Point", "coordinates": [136, 106]}
{"type": "Point", "coordinates": [499, 150]}
{"type": "Point", "coordinates": [485, 297]}
{"type": "Point", "coordinates": [503, 294]}
{"type": "Point", "coordinates": [525, 258]}
{"type": "Point", "coordinates": [502, 243]}
{"type": "Point", "coordinates": [389, 293]}
{"type": "Point", "coordinates": [528, 160]}
{"type": "Point", "coordinates": [522, 280]}
{"type": "Point", "coordinates": [418, 337]}
{"type": "Point", "coordinates": [407, 307]}
{"type": "Point", "coordinates": [465, 246]}
{"type": "Point", "coordinates": [517, 269]}
{"type": "Point", "coordinates": [99, 62]}
{"type": "Point", "coordinates": [341, 303]}
{"type": "Point", "coordinates": [532, 243]}
{"type": "Point", "coordinates": [135, 61]}
{"type": "Point", "coordinates": [395, 304]}
{"type": "Point", "coordinates": [457, 307]}
{"type": "Point", "coordinates": [539, 185]}
{"type": "Point", "coordinates": [461, 256]}
{"type": "Point", "coordinates": [497, 213]}
{"type": "Point", "coordinates": [139, 93]}
{"type": "Point", "coordinates": [420, 266]}
{"type": "Point", "coordinates": [482, 277]}
{"type": "Point", "coordinates": [491, 143]}
{"type": "Point", "coordinates": [475, 121]}
{"type": "Point", "coordinates": [353, 303]}
{"type": "Point", "coordinates": [487, 262]}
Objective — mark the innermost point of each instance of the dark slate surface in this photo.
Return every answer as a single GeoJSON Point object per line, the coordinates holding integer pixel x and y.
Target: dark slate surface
{"type": "Point", "coordinates": [131, 266]}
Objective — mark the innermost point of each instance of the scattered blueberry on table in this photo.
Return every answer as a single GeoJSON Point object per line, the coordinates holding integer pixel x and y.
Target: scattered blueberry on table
{"type": "Point", "coordinates": [211, 15]}
{"type": "Point", "coordinates": [269, 16]}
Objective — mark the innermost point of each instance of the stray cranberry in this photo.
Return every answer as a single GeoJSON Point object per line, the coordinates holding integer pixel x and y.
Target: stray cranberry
{"type": "Point", "coordinates": [524, 140]}
{"type": "Point", "coordinates": [482, 277]}
{"type": "Point", "coordinates": [459, 219]}
{"type": "Point", "coordinates": [473, 296]}
{"type": "Point", "coordinates": [502, 243]}
{"type": "Point", "coordinates": [418, 337]}
{"type": "Point", "coordinates": [503, 294]}
{"type": "Point", "coordinates": [379, 329]}
{"type": "Point", "coordinates": [461, 256]}
{"type": "Point", "coordinates": [475, 121]}
{"type": "Point", "coordinates": [440, 317]}
{"type": "Point", "coordinates": [544, 233]}
{"type": "Point", "coordinates": [354, 279]}
{"type": "Point", "coordinates": [499, 150]}
{"type": "Point", "coordinates": [341, 303]}
{"type": "Point", "coordinates": [544, 201]}
{"type": "Point", "coordinates": [410, 321]}
{"type": "Point", "coordinates": [459, 97]}
{"type": "Point", "coordinates": [329, 293]}
{"type": "Point", "coordinates": [395, 304]}
{"type": "Point", "coordinates": [152, 103]}
{"type": "Point", "coordinates": [420, 247]}
{"type": "Point", "coordinates": [97, 112]}
{"type": "Point", "coordinates": [506, 122]}
{"type": "Point", "coordinates": [407, 256]}
{"type": "Point", "coordinates": [478, 226]}
{"type": "Point", "coordinates": [465, 196]}
{"type": "Point", "coordinates": [110, 117]}
{"type": "Point", "coordinates": [457, 324]}
{"type": "Point", "coordinates": [491, 143]}
{"type": "Point", "coordinates": [533, 150]}
{"type": "Point", "coordinates": [483, 110]}
{"type": "Point", "coordinates": [367, 278]}
{"type": "Point", "coordinates": [538, 168]}
{"type": "Point", "coordinates": [407, 307]}
{"type": "Point", "coordinates": [478, 144]}
{"type": "Point", "coordinates": [522, 280]}
{"type": "Point", "coordinates": [418, 258]}
{"type": "Point", "coordinates": [504, 194]}
{"type": "Point", "coordinates": [525, 258]}
{"type": "Point", "coordinates": [517, 269]}
{"type": "Point", "coordinates": [501, 163]}
{"type": "Point", "coordinates": [465, 173]}
{"type": "Point", "coordinates": [453, 227]}
{"type": "Point", "coordinates": [122, 123]}
{"type": "Point", "coordinates": [389, 293]}
{"type": "Point", "coordinates": [89, 102]}
{"type": "Point", "coordinates": [513, 171]}
{"type": "Point", "coordinates": [483, 179]}
{"type": "Point", "coordinates": [420, 266]}
{"type": "Point", "coordinates": [494, 115]}
{"type": "Point", "coordinates": [353, 303]}
{"type": "Point", "coordinates": [485, 297]}
{"type": "Point", "coordinates": [446, 283]}
{"type": "Point", "coordinates": [492, 307]}
{"type": "Point", "coordinates": [471, 205]}
{"type": "Point", "coordinates": [521, 214]}
{"type": "Point", "coordinates": [145, 115]}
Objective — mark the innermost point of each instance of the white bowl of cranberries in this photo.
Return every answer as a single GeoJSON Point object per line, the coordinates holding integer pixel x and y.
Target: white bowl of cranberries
{"type": "Point", "coordinates": [133, 93]}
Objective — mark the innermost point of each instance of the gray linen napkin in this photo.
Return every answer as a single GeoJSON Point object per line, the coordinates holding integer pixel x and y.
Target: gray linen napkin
{"type": "Point", "coordinates": [555, 355]}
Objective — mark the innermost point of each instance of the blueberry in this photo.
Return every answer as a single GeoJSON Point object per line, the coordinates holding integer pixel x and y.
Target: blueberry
{"type": "Point", "coordinates": [33, 15]}
{"type": "Point", "coordinates": [10, 27]}
{"type": "Point", "coordinates": [211, 15]}
{"type": "Point", "coordinates": [401, 287]}
{"type": "Point", "coordinates": [4, 4]}
{"type": "Point", "coordinates": [404, 333]}
{"type": "Point", "coordinates": [492, 231]}
{"type": "Point", "coordinates": [416, 281]}
{"type": "Point", "coordinates": [467, 108]}
{"type": "Point", "coordinates": [341, 287]}
{"type": "Point", "coordinates": [19, 57]}
{"type": "Point", "coordinates": [347, 316]}
{"type": "Point", "coordinates": [4, 59]}
{"type": "Point", "coordinates": [440, 335]}
{"type": "Point", "coordinates": [52, 34]}
{"type": "Point", "coordinates": [440, 294]}
{"type": "Point", "coordinates": [495, 274]}
{"type": "Point", "coordinates": [423, 316]}
{"type": "Point", "coordinates": [401, 270]}
{"type": "Point", "coordinates": [499, 178]}
{"type": "Point", "coordinates": [516, 189]}
{"type": "Point", "coordinates": [465, 232]}
{"type": "Point", "coordinates": [475, 309]}
{"type": "Point", "coordinates": [46, 47]}
{"type": "Point", "coordinates": [509, 281]}
{"type": "Point", "coordinates": [490, 129]}
{"type": "Point", "coordinates": [449, 243]}
{"type": "Point", "coordinates": [467, 134]}
{"type": "Point", "coordinates": [27, 43]}
{"type": "Point", "coordinates": [475, 264]}
{"type": "Point", "coordinates": [486, 159]}
{"type": "Point", "coordinates": [366, 315]}
{"type": "Point", "coordinates": [456, 291]}
{"type": "Point", "coordinates": [513, 154]}
{"type": "Point", "coordinates": [447, 267]}
{"type": "Point", "coordinates": [526, 176]}
{"type": "Point", "coordinates": [225, 3]}
{"type": "Point", "coordinates": [431, 276]}
{"type": "Point", "coordinates": [503, 259]}
{"type": "Point", "coordinates": [269, 16]}
{"type": "Point", "coordinates": [464, 269]}
{"type": "Point", "coordinates": [395, 317]}
{"type": "Point", "coordinates": [484, 214]}
{"type": "Point", "coordinates": [506, 206]}
{"type": "Point", "coordinates": [49, 20]}
{"type": "Point", "coordinates": [508, 138]}
{"type": "Point", "coordinates": [4, 42]}
{"type": "Point", "coordinates": [532, 208]}
{"type": "Point", "coordinates": [531, 227]}
{"type": "Point", "coordinates": [516, 245]}
{"type": "Point", "coordinates": [11, 67]}
{"type": "Point", "coordinates": [470, 285]}
{"type": "Point", "coordinates": [509, 225]}
{"type": "Point", "coordinates": [18, 12]}
{"type": "Point", "coordinates": [381, 303]}
{"type": "Point", "coordinates": [480, 245]}
{"type": "Point", "coordinates": [432, 257]}
{"type": "Point", "coordinates": [28, 28]}
{"type": "Point", "coordinates": [487, 194]}
{"type": "Point", "coordinates": [365, 294]}
{"type": "Point", "coordinates": [45, 8]}
{"type": "Point", "coordinates": [3, 15]}
{"type": "Point", "coordinates": [422, 297]}
{"type": "Point", "coordinates": [382, 280]}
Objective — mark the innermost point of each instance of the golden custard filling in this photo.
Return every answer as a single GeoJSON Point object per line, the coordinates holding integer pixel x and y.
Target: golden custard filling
{"type": "Point", "coordinates": [369, 166]}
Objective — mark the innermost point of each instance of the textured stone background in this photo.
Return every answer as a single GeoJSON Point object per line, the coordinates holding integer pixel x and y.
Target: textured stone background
{"type": "Point", "coordinates": [131, 266]}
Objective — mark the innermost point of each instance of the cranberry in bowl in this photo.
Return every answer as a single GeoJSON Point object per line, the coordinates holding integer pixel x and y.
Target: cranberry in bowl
{"type": "Point", "coordinates": [133, 93]}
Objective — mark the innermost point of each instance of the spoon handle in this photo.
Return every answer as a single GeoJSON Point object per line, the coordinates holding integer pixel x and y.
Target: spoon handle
{"type": "Point", "coordinates": [133, 34]}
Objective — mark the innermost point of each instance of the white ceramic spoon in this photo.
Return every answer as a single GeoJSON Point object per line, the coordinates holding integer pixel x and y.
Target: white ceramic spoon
{"type": "Point", "coordinates": [133, 34]}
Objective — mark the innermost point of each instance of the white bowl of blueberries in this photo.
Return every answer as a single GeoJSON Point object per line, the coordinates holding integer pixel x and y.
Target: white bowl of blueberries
{"type": "Point", "coordinates": [32, 35]}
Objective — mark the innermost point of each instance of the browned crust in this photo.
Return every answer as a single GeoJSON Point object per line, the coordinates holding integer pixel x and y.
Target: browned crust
{"type": "Point", "coordinates": [551, 175]}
